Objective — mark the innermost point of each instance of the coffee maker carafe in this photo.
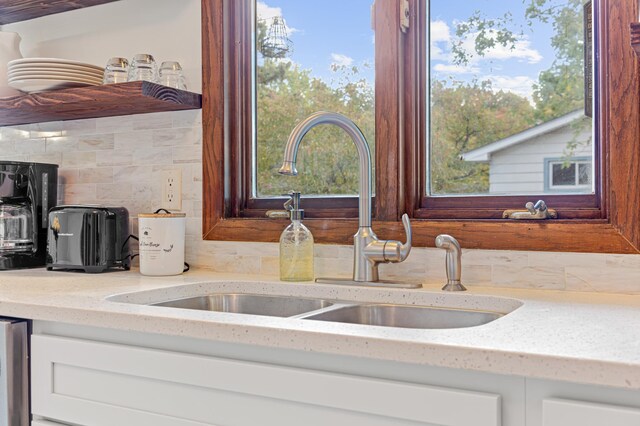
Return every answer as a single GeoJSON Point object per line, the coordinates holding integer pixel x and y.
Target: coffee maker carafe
{"type": "Point", "coordinates": [27, 192]}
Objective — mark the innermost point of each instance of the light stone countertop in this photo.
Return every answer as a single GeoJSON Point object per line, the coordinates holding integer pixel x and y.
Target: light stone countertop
{"type": "Point", "coordinates": [590, 338]}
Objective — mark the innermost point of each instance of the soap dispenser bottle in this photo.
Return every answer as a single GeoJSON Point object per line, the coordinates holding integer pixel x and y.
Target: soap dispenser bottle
{"type": "Point", "coordinates": [296, 245]}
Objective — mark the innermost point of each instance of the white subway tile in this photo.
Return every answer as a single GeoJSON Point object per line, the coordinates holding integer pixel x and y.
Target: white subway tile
{"type": "Point", "coordinates": [79, 159]}
{"type": "Point", "coordinates": [131, 173]}
{"type": "Point", "coordinates": [152, 156]}
{"type": "Point", "coordinates": [96, 142]}
{"type": "Point", "coordinates": [29, 146]}
{"type": "Point", "coordinates": [78, 127]}
{"type": "Point", "coordinates": [96, 175]}
{"type": "Point", "coordinates": [79, 192]}
{"type": "Point", "coordinates": [133, 140]}
{"type": "Point", "coordinates": [159, 120]}
{"type": "Point", "coordinates": [114, 191]}
{"type": "Point", "coordinates": [46, 157]}
{"type": "Point", "coordinates": [528, 277]}
{"type": "Point", "coordinates": [62, 144]}
{"type": "Point", "coordinates": [114, 124]}
{"type": "Point", "coordinates": [114, 158]}
{"type": "Point", "coordinates": [175, 137]}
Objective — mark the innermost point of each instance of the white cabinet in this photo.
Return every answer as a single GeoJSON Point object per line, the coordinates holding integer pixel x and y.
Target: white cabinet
{"type": "Point", "coordinates": [551, 403]}
{"type": "Point", "coordinates": [103, 384]}
{"type": "Point", "coordinates": [562, 412]}
{"type": "Point", "coordinates": [96, 377]}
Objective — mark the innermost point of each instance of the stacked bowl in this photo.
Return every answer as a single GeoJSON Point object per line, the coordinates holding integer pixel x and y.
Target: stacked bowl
{"type": "Point", "coordinates": [31, 75]}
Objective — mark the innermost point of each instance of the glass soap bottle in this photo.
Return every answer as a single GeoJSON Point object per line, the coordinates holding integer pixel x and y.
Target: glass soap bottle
{"type": "Point", "coordinates": [296, 245]}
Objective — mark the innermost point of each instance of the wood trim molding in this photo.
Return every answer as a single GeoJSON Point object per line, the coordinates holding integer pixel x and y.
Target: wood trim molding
{"type": "Point", "coordinates": [617, 232]}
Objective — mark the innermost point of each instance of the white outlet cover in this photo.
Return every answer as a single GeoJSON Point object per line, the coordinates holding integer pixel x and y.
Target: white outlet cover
{"type": "Point", "coordinates": [172, 190]}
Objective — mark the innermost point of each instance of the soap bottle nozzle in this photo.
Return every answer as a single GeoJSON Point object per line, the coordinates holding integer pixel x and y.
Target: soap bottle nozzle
{"type": "Point", "coordinates": [293, 206]}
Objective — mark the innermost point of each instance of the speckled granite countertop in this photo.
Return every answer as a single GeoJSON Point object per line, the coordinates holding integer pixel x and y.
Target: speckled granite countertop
{"type": "Point", "coordinates": [579, 337]}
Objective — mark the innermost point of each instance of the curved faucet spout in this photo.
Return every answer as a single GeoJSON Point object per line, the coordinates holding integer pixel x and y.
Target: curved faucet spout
{"type": "Point", "coordinates": [364, 155]}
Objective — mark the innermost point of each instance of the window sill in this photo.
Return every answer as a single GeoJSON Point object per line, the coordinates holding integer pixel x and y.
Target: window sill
{"type": "Point", "coordinates": [561, 235]}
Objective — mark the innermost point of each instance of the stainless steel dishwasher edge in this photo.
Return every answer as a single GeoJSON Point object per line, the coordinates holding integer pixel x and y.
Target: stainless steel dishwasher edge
{"type": "Point", "coordinates": [14, 372]}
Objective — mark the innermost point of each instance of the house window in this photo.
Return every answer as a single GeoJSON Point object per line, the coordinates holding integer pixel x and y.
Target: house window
{"type": "Point", "coordinates": [235, 201]}
{"type": "Point", "coordinates": [508, 85]}
{"type": "Point", "coordinates": [568, 174]}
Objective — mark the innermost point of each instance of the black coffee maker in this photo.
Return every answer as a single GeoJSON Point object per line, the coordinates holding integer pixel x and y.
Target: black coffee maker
{"type": "Point", "coordinates": [27, 192]}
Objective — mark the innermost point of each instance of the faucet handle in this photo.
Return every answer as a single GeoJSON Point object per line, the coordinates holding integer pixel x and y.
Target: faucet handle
{"type": "Point", "coordinates": [395, 251]}
{"type": "Point", "coordinates": [405, 248]}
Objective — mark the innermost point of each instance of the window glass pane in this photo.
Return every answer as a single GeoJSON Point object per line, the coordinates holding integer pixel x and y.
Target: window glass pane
{"type": "Point", "coordinates": [311, 56]}
{"type": "Point", "coordinates": [507, 91]}
{"type": "Point", "coordinates": [584, 174]}
{"type": "Point", "coordinates": [563, 174]}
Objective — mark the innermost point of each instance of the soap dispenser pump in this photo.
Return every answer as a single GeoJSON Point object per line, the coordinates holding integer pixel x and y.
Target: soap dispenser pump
{"type": "Point", "coordinates": [296, 245]}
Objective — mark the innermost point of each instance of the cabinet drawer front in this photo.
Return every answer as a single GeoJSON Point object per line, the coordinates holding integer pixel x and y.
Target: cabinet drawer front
{"type": "Point", "coordinates": [561, 412]}
{"type": "Point", "coordinates": [93, 383]}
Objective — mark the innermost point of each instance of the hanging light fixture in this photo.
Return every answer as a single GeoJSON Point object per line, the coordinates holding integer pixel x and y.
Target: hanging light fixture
{"type": "Point", "coordinates": [276, 43]}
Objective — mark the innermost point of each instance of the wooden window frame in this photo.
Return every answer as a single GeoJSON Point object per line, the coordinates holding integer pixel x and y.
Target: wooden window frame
{"type": "Point", "coordinates": [611, 224]}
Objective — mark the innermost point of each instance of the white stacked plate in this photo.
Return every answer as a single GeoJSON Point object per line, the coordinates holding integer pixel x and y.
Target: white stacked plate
{"type": "Point", "coordinates": [33, 75]}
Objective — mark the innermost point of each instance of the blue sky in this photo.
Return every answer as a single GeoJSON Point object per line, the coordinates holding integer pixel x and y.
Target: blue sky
{"type": "Point", "coordinates": [339, 31]}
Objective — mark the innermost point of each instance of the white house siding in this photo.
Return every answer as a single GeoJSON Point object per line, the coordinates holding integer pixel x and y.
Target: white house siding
{"type": "Point", "coordinates": [519, 169]}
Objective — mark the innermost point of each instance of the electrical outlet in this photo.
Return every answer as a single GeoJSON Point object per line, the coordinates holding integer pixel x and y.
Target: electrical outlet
{"type": "Point", "coordinates": [172, 190]}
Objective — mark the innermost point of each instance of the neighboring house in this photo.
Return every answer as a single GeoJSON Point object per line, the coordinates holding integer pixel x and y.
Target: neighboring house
{"type": "Point", "coordinates": [538, 160]}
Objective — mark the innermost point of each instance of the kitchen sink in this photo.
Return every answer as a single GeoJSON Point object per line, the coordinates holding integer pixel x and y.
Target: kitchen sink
{"type": "Point", "coordinates": [254, 304]}
{"type": "Point", "coordinates": [385, 315]}
{"type": "Point", "coordinates": [406, 316]}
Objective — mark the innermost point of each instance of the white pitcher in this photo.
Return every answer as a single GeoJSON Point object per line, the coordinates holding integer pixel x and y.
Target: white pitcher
{"type": "Point", "coordinates": [9, 50]}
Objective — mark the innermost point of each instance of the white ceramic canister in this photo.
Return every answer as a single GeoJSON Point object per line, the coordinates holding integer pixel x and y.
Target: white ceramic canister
{"type": "Point", "coordinates": [161, 243]}
{"type": "Point", "coordinates": [9, 51]}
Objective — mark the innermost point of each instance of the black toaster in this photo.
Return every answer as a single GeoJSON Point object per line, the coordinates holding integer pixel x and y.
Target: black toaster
{"type": "Point", "coordinates": [88, 238]}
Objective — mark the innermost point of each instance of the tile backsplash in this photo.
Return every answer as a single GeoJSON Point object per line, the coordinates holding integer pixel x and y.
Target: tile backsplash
{"type": "Point", "coordinates": [119, 160]}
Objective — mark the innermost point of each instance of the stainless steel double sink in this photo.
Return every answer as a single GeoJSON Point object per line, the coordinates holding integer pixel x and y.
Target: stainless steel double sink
{"type": "Point", "coordinates": [378, 314]}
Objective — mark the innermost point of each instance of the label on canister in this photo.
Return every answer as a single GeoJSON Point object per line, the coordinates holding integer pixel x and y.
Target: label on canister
{"type": "Point", "coordinates": [161, 243]}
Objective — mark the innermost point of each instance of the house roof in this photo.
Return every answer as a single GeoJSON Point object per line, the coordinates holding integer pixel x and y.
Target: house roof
{"type": "Point", "coordinates": [484, 153]}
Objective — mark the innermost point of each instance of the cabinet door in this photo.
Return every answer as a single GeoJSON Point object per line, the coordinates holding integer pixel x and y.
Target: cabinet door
{"type": "Point", "coordinates": [561, 412]}
{"type": "Point", "coordinates": [95, 384]}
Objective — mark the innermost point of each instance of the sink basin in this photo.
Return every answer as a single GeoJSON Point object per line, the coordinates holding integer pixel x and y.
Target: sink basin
{"type": "Point", "coordinates": [254, 304]}
{"type": "Point", "coordinates": [406, 316]}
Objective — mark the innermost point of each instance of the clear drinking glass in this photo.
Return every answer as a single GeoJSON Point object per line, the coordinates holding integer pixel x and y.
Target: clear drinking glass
{"type": "Point", "coordinates": [143, 67]}
{"type": "Point", "coordinates": [171, 75]}
{"type": "Point", "coordinates": [116, 71]}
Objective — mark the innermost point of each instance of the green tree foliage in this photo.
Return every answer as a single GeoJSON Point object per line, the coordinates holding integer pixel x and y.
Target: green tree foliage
{"type": "Point", "coordinates": [465, 116]}
{"type": "Point", "coordinates": [327, 159]}
{"type": "Point", "coordinates": [560, 89]}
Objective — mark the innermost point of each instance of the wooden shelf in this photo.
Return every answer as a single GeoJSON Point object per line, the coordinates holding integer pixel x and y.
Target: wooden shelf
{"type": "Point", "coordinates": [22, 10]}
{"type": "Point", "coordinates": [136, 97]}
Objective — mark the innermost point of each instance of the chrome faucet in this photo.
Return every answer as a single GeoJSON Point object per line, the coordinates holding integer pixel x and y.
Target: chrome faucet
{"type": "Point", "coordinates": [369, 251]}
{"type": "Point", "coordinates": [453, 262]}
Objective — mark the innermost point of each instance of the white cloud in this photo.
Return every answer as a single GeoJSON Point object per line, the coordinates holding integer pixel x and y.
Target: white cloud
{"type": "Point", "coordinates": [520, 50]}
{"type": "Point", "coordinates": [439, 33]}
{"type": "Point", "coordinates": [341, 60]}
{"type": "Point", "coordinates": [266, 12]}
{"type": "Point", "coordinates": [456, 69]}
{"type": "Point", "coordinates": [521, 85]}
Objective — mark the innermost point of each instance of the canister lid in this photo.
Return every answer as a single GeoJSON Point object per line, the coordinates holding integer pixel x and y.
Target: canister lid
{"type": "Point", "coordinates": [161, 215]}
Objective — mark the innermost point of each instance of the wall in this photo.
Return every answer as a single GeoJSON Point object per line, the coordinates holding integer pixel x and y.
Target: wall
{"type": "Point", "coordinates": [118, 161]}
